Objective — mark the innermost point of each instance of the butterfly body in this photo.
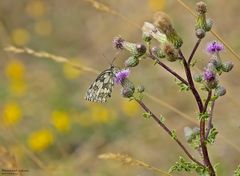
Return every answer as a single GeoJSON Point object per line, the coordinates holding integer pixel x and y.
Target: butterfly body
{"type": "Point", "coordinates": [101, 89]}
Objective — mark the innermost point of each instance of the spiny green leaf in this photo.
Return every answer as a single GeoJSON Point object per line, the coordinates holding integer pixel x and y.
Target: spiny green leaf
{"type": "Point", "coordinates": [162, 118]}
{"type": "Point", "coordinates": [212, 136]}
{"type": "Point", "coordinates": [174, 134]}
{"type": "Point", "coordinates": [203, 116]}
{"type": "Point", "coordinates": [146, 115]}
{"type": "Point", "coordinates": [183, 165]}
{"type": "Point", "coordinates": [183, 87]}
{"type": "Point", "coordinates": [237, 171]}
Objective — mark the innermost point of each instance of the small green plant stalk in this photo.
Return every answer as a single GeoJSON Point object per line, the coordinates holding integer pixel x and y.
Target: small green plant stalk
{"type": "Point", "coordinates": [167, 50]}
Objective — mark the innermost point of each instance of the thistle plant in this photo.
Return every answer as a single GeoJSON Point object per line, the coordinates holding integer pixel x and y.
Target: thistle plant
{"type": "Point", "coordinates": [168, 49]}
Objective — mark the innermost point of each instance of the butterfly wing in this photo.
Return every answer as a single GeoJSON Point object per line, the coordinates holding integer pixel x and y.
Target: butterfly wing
{"type": "Point", "coordinates": [101, 88]}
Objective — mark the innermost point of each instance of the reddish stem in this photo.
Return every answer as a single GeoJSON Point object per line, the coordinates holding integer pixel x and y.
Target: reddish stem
{"type": "Point", "coordinates": [167, 130]}
{"type": "Point", "coordinates": [201, 108]}
{"type": "Point", "coordinates": [167, 68]}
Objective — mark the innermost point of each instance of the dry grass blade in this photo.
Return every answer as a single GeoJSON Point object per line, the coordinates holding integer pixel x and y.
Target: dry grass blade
{"type": "Point", "coordinates": [100, 6]}
{"type": "Point", "coordinates": [168, 106]}
{"type": "Point", "coordinates": [8, 162]}
{"type": "Point", "coordinates": [55, 58]}
{"type": "Point", "coordinates": [104, 8]}
{"type": "Point", "coordinates": [129, 161]}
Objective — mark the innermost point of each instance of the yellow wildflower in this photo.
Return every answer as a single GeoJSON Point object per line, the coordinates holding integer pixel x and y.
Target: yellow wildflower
{"type": "Point", "coordinates": [20, 36]}
{"type": "Point", "coordinates": [70, 72]}
{"type": "Point", "coordinates": [40, 140]}
{"type": "Point", "coordinates": [15, 70]}
{"type": "Point", "coordinates": [12, 114]}
{"type": "Point", "coordinates": [157, 4]}
{"type": "Point", "coordinates": [36, 8]}
{"type": "Point", "coordinates": [43, 27]}
{"type": "Point", "coordinates": [130, 108]}
{"type": "Point", "coordinates": [61, 121]}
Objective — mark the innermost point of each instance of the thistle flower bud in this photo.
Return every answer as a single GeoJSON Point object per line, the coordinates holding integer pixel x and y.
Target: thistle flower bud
{"type": "Point", "coordinates": [211, 84]}
{"type": "Point", "coordinates": [127, 92]}
{"type": "Point", "coordinates": [214, 47]}
{"type": "Point", "coordinates": [209, 75]}
{"type": "Point", "coordinates": [163, 22]}
{"type": "Point", "coordinates": [132, 61]}
{"type": "Point", "coordinates": [128, 87]}
{"type": "Point", "coordinates": [154, 32]}
{"type": "Point", "coordinates": [140, 89]}
{"type": "Point", "coordinates": [118, 42]}
{"type": "Point", "coordinates": [188, 133]}
{"type": "Point", "coordinates": [158, 52]}
{"type": "Point", "coordinates": [127, 84]}
{"type": "Point", "coordinates": [201, 7]}
{"type": "Point", "coordinates": [209, 24]}
{"type": "Point", "coordinates": [227, 66]}
{"type": "Point", "coordinates": [220, 91]}
{"type": "Point", "coordinates": [200, 33]}
{"type": "Point", "coordinates": [170, 52]}
{"type": "Point", "coordinates": [146, 36]}
{"type": "Point", "coordinates": [196, 130]}
{"type": "Point", "coordinates": [210, 80]}
{"type": "Point", "coordinates": [198, 78]}
{"type": "Point", "coordinates": [201, 18]}
{"type": "Point", "coordinates": [211, 67]}
{"type": "Point", "coordinates": [135, 49]}
{"type": "Point", "coordinates": [121, 75]}
{"type": "Point", "coordinates": [216, 62]}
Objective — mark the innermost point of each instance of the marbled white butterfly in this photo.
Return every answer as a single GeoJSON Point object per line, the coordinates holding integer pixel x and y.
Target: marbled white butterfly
{"type": "Point", "coordinates": [101, 89]}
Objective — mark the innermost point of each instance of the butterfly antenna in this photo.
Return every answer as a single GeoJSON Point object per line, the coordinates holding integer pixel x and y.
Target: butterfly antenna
{"type": "Point", "coordinates": [108, 60]}
{"type": "Point", "coordinates": [115, 57]}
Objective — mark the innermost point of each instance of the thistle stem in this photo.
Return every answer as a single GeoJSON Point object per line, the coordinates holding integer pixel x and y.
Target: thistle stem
{"type": "Point", "coordinates": [193, 51]}
{"type": "Point", "coordinates": [191, 83]}
{"type": "Point", "coordinates": [210, 125]}
{"type": "Point", "coordinates": [207, 101]}
{"type": "Point", "coordinates": [167, 130]}
{"type": "Point", "coordinates": [201, 108]}
{"type": "Point", "coordinates": [153, 57]}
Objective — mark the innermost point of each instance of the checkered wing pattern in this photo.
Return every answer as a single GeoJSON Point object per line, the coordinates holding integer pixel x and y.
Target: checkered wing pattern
{"type": "Point", "coordinates": [101, 88]}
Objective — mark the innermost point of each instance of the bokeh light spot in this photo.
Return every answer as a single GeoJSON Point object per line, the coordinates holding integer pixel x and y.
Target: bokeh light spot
{"type": "Point", "coordinates": [20, 36]}
{"type": "Point", "coordinates": [36, 8]}
{"type": "Point", "coordinates": [12, 114]}
{"type": "Point", "coordinates": [157, 4]}
{"type": "Point", "coordinates": [43, 27]}
{"type": "Point", "coordinates": [15, 70]}
{"type": "Point", "coordinates": [61, 121]}
{"type": "Point", "coordinates": [40, 140]}
{"type": "Point", "coordinates": [130, 108]}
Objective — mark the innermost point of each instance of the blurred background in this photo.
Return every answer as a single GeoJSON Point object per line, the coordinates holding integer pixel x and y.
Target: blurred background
{"type": "Point", "coordinates": [49, 129]}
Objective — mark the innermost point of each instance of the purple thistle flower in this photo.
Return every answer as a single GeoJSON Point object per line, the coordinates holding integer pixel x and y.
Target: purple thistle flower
{"type": "Point", "coordinates": [118, 42]}
{"type": "Point", "coordinates": [209, 75]}
{"type": "Point", "coordinates": [121, 75]}
{"type": "Point", "coordinates": [214, 47]}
